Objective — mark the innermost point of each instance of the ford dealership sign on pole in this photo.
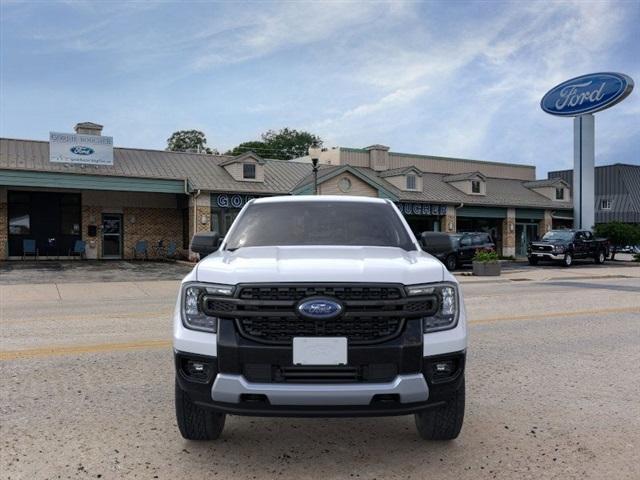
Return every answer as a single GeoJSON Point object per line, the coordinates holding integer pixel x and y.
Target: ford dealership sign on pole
{"type": "Point", "coordinates": [580, 97]}
{"type": "Point", "coordinates": [77, 148]}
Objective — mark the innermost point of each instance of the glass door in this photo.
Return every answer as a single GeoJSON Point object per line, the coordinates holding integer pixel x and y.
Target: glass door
{"type": "Point", "coordinates": [111, 235]}
{"type": "Point", "coordinates": [525, 233]}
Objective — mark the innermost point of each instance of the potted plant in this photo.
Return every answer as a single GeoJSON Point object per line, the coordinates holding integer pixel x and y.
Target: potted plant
{"type": "Point", "coordinates": [486, 264]}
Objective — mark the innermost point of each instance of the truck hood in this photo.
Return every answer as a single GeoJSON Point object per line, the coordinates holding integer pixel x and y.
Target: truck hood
{"type": "Point", "coordinates": [320, 264]}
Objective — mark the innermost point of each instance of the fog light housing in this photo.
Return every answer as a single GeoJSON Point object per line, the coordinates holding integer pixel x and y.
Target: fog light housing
{"type": "Point", "coordinates": [444, 368]}
{"type": "Point", "coordinates": [196, 369]}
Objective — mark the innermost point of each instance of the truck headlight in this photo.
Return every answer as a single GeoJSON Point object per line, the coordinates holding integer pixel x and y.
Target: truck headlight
{"type": "Point", "coordinates": [448, 306]}
{"type": "Point", "coordinates": [192, 296]}
{"type": "Point", "coordinates": [559, 248]}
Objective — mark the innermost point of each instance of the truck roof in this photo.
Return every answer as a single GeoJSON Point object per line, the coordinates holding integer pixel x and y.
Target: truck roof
{"type": "Point", "coordinates": [318, 198]}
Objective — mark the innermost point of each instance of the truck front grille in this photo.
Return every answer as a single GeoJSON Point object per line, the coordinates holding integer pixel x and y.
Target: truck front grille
{"type": "Point", "coordinates": [282, 330]}
{"type": "Point", "coordinates": [372, 313]}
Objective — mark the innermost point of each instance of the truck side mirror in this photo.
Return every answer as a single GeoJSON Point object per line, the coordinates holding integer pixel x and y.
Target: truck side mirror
{"type": "Point", "coordinates": [205, 243]}
{"type": "Point", "coordinates": [422, 240]}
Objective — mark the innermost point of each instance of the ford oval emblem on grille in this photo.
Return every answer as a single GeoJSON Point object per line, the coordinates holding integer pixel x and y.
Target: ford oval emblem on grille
{"type": "Point", "coordinates": [319, 308]}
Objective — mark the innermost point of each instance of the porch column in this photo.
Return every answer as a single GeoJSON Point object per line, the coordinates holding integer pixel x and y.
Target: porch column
{"type": "Point", "coordinates": [509, 234]}
{"type": "Point", "coordinates": [199, 216]}
{"type": "Point", "coordinates": [545, 224]}
{"type": "Point", "coordinates": [450, 220]}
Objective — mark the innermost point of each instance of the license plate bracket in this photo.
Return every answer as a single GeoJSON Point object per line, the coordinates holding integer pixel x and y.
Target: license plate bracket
{"type": "Point", "coordinates": [320, 350]}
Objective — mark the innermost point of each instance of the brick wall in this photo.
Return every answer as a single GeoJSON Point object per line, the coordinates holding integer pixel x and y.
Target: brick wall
{"type": "Point", "coordinates": [152, 225]}
{"type": "Point", "coordinates": [202, 221]}
{"type": "Point", "coordinates": [91, 215]}
{"type": "Point", "coordinates": [545, 224]}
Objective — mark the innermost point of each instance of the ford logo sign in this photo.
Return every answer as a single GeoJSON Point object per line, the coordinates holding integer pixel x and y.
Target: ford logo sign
{"type": "Point", "coordinates": [587, 94]}
{"type": "Point", "coordinates": [319, 308]}
{"type": "Point", "coordinates": [79, 150]}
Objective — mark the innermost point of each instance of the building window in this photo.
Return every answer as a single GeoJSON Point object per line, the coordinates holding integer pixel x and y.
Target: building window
{"type": "Point", "coordinates": [19, 214]}
{"type": "Point", "coordinates": [475, 186]}
{"type": "Point", "coordinates": [559, 193]}
{"type": "Point", "coordinates": [411, 182]}
{"type": "Point", "coordinates": [249, 171]}
{"type": "Point", "coordinates": [605, 204]}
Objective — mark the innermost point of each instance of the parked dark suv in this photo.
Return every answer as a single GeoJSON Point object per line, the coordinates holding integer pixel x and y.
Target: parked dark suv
{"type": "Point", "coordinates": [456, 249]}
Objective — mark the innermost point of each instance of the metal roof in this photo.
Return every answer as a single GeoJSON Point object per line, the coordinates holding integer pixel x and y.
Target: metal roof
{"type": "Point", "coordinates": [205, 172]}
{"type": "Point", "coordinates": [201, 170]}
{"type": "Point", "coordinates": [499, 191]}
{"type": "Point", "coordinates": [547, 182]}
{"type": "Point", "coordinates": [463, 176]}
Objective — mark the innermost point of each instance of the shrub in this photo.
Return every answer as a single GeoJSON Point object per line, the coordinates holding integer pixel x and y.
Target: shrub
{"type": "Point", "coordinates": [484, 256]}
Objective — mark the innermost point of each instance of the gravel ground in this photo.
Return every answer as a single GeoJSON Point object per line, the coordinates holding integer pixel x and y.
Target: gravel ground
{"type": "Point", "coordinates": [552, 385]}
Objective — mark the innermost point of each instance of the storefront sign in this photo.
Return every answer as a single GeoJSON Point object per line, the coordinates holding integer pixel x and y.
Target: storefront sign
{"type": "Point", "coordinates": [587, 94]}
{"type": "Point", "coordinates": [230, 200]}
{"type": "Point", "coordinates": [80, 149]}
{"type": "Point", "coordinates": [422, 209]}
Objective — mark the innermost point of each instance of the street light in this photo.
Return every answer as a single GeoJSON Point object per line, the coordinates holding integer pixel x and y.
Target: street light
{"type": "Point", "coordinates": [314, 153]}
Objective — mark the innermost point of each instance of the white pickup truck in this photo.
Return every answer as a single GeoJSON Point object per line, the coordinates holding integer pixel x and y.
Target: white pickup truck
{"type": "Point", "coordinates": [318, 306]}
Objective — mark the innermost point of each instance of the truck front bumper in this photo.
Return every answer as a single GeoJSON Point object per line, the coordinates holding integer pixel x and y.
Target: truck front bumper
{"type": "Point", "coordinates": [405, 394]}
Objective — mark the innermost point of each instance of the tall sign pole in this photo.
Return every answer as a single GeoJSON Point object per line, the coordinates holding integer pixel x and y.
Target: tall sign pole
{"type": "Point", "coordinates": [580, 97]}
{"type": "Point", "coordinates": [583, 171]}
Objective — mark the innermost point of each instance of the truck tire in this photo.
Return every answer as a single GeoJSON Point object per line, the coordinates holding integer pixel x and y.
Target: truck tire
{"type": "Point", "coordinates": [196, 422]}
{"type": "Point", "coordinates": [600, 257]}
{"type": "Point", "coordinates": [568, 260]}
{"type": "Point", "coordinates": [451, 263]}
{"type": "Point", "coordinates": [445, 422]}
{"type": "Point", "coordinates": [533, 260]}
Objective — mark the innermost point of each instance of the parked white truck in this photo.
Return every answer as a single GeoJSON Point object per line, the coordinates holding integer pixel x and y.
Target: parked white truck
{"type": "Point", "coordinates": [318, 306]}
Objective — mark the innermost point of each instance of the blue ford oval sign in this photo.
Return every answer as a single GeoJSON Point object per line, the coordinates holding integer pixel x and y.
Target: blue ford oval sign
{"type": "Point", "coordinates": [80, 150]}
{"type": "Point", "coordinates": [319, 308]}
{"type": "Point", "coordinates": [587, 94]}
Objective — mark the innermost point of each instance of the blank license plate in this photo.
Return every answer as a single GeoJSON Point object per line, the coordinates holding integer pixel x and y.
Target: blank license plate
{"type": "Point", "coordinates": [320, 351]}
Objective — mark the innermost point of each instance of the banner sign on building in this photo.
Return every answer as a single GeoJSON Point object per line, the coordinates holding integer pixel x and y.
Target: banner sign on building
{"type": "Point", "coordinates": [421, 209]}
{"type": "Point", "coordinates": [80, 149]}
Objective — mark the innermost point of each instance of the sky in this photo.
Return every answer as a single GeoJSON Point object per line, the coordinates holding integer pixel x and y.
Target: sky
{"type": "Point", "coordinates": [452, 78]}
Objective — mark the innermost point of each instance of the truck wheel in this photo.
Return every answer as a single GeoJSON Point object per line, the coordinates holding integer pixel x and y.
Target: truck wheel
{"type": "Point", "coordinates": [451, 263]}
{"type": "Point", "coordinates": [600, 257]}
{"type": "Point", "coordinates": [194, 421]}
{"type": "Point", "coordinates": [533, 260]}
{"type": "Point", "coordinates": [568, 260]}
{"type": "Point", "coordinates": [445, 422]}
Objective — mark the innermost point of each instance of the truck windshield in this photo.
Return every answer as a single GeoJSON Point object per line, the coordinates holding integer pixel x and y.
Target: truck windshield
{"type": "Point", "coordinates": [558, 235]}
{"type": "Point", "coordinates": [319, 223]}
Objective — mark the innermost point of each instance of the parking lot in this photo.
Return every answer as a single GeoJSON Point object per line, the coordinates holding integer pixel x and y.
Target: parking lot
{"type": "Point", "coordinates": [87, 389]}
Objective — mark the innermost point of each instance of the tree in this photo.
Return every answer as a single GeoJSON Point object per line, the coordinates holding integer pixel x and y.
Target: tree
{"type": "Point", "coordinates": [257, 147]}
{"type": "Point", "coordinates": [284, 144]}
{"type": "Point", "coordinates": [188, 141]}
{"type": "Point", "coordinates": [619, 234]}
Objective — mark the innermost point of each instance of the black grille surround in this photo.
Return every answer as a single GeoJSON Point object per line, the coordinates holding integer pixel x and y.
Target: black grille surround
{"type": "Point", "coordinates": [373, 313]}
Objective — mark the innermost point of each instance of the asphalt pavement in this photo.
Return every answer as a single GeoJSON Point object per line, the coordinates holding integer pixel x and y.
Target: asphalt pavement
{"type": "Point", "coordinates": [552, 390]}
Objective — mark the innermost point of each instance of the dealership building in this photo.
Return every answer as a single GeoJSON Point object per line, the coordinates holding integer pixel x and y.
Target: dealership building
{"type": "Point", "coordinates": [114, 198]}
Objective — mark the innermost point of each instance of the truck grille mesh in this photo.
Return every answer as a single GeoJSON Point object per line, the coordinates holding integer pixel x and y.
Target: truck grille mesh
{"type": "Point", "coordinates": [372, 313]}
